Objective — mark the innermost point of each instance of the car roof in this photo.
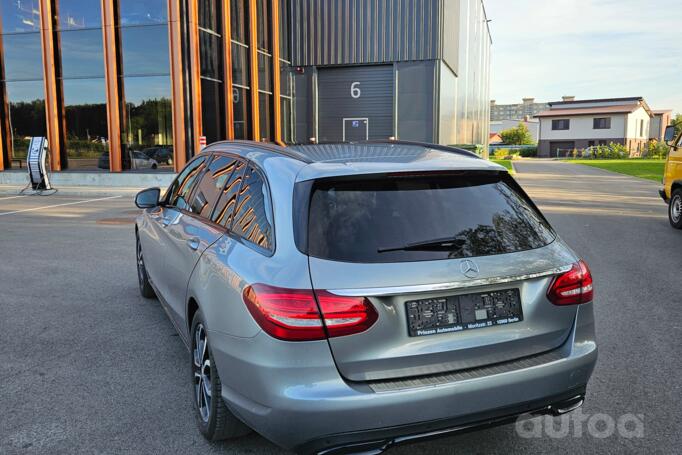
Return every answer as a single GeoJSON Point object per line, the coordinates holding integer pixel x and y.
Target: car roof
{"type": "Point", "coordinates": [370, 157]}
{"type": "Point", "coordinates": [329, 160]}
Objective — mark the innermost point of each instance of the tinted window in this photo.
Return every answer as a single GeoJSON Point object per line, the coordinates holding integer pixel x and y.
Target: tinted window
{"type": "Point", "coordinates": [179, 191]}
{"type": "Point", "coordinates": [224, 210]}
{"type": "Point", "coordinates": [482, 214]}
{"type": "Point", "coordinates": [252, 219]}
{"type": "Point", "coordinates": [211, 184]}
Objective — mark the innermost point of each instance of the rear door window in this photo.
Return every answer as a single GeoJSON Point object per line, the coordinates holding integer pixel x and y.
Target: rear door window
{"type": "Point", "coordinates": [212, 182]}
{"type": "Point", "coordinates": [224, 209]}
{"type": "Point", "coordinates": [427, 217]}
{"type": "Point", "coordinates": [178, 193]}
{"type": "Point", "coordinates": [253, 216]}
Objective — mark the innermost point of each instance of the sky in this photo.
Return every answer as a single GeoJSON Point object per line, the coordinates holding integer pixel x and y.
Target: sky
{"type": "Point", "coordinates": [586, 48]}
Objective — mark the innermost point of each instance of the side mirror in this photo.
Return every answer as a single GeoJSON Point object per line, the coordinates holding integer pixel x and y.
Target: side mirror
{"type": "Point", "coordinates": [148, 198]}
{"type": "Point", "coordinates": [669, 136]}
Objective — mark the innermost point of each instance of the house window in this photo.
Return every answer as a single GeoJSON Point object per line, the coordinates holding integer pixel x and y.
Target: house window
{"type": "Point", "coordinates": [590, 143]}
{"type": "Point", "coordinates": [602, 123]}
{"type": "Point", "coordinates": [561, 124]}
{"type": "Point", "coordinates": [641, 128]}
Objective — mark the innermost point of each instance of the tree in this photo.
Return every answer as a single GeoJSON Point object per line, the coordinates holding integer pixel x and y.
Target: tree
{"type": "Point", "coordinates": [677, 121]}
{"type": "Point", "coordinates": [517, 136]}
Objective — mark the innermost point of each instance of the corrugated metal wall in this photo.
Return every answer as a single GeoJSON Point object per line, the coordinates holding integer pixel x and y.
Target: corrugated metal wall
{"type": "Point", "coordinates": [337, 32]}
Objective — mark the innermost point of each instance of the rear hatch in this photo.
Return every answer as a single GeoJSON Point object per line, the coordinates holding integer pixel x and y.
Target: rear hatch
{"type": "Point", "coordinates": [456, 264]}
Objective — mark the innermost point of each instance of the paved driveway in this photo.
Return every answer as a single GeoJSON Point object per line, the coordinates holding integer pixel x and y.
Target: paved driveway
{"type": "Point", "coordinates": [87, 366]}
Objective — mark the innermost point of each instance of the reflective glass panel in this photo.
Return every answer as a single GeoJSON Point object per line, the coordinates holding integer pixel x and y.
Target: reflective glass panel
{"type": "Point", "coordinates": [238, 20]}
{"type": "Point", "coordinates": [263, 22]}
{"type": "Point", "coordinates": [210, 15]}
{"type": "Point", "coordinates": [86, 124]}
{"type": "Point", "coordinates": [26, 115]}
{"type": "Point", "coordinates": [138, 12]}
{"type": "Point", "coordinates": [264, 72]}
{"type": "Point", "coordinates": [240, 65]}
{"type": "Point", "coordinates": [241, 111]}
{"type": "Point", "coordinates": [211, 56]}
{"type": "Point", "coordinates": [145, 50]}
{"type": "Point", "coordinates": [148, 123]}
{"type": "Point", "coordinates": [20, 16]}
{"type": "Point", "coordinates": [79, 14]}
{"type": "Point", "coordinates": [213, 110]}
{"type": "Point", "coordinates": [23, 57]}
{"type": "Point", "coordinates": [82, 53]}
{"type": "Point", "coordinates": [265, 108]}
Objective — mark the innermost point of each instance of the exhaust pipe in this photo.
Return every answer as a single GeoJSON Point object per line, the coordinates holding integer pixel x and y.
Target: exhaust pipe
{"type": "Point", "coordinates": [565, 406]}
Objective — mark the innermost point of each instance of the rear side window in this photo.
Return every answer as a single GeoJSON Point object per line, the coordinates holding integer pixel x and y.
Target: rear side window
{"type": "Point", "coordinates": [211, 184]}
{"type": "Point", "coordinates": [224, 209]}
{"type": "Point", "coordinates": [253, 217]}
{"type": "Point", "coordinates": [386, 219]}
{"type": "Point", "coordinates": [178, 193]}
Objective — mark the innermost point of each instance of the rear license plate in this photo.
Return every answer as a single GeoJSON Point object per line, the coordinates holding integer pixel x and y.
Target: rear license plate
{"type": "Point", "coordinates": [463, 312]}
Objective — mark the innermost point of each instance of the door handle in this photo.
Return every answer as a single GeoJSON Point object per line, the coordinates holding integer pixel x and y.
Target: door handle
{"type": "Point", "coordinates": [193, 243]}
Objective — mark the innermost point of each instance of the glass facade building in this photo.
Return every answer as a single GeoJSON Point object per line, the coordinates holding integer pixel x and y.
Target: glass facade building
{"type": "Point", "coordinates": [136, 85]}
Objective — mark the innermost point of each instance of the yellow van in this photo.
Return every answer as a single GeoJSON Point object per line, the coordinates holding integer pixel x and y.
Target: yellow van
{"type": "Point", "coordinates": [672, 178]}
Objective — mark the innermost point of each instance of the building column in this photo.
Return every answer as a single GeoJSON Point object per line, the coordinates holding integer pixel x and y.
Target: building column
{"type": "Point", "coordinates": [5, 147]}
{"type": "Point", "coordinates": [253, 54]}
{"type": "Point", "coordinates": [227, 69]}
{"type": "Point", "coordinates": [177, 84]}
{"type": "Point", "coordinates": [50, 80]}
{"type": "Point", "coordinates": [195, 74]}
{"type": "Point", "coordinates": [111, 80]}
{"type": "Point", "coordinates": [276, 75]}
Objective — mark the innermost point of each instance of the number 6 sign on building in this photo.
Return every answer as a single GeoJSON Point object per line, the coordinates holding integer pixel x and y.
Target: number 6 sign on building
{"type": "Point", "coordinates": [355, 90]}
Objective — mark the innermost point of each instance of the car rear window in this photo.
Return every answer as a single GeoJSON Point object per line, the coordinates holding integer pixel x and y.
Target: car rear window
{"type": "Point", "coordinates": [483, 213]}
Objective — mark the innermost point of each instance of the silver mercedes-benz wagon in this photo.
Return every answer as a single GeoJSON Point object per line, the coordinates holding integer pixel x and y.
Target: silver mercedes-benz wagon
{"type": "Point", "coordinates": [349, 297]}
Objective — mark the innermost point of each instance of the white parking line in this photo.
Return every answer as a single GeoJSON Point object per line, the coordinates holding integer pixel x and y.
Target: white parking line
{"type": "Point", "coordinates": [12, 197]}
{"type": "Point", "coordinates": [59, 205]}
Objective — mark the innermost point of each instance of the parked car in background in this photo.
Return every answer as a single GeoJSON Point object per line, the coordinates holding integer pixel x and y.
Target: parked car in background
{"type": "Point", "coordinates": [138, 161]}
{"type": "Point", "coordinates": [672, 178]}
{"type": "Point", "coordinates": [355, 296]}
{"type": "Point", "coordinates": [162, 155]}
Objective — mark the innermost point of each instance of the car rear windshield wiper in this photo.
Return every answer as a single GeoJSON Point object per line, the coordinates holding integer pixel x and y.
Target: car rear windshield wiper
{"type": "Point", "coordinates": [444, 244]}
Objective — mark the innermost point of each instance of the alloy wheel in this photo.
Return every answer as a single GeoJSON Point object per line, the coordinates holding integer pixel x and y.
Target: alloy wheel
{"type": "Point", "coordinates": [676, 209]}
{"type": "Point", "coordinates": [202, 373]}
{"type": "Point", "coordinates": [140, 264]}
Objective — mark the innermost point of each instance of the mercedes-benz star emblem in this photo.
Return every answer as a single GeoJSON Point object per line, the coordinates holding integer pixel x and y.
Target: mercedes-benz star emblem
{"type": "Point", "coordinates": [469, 268]}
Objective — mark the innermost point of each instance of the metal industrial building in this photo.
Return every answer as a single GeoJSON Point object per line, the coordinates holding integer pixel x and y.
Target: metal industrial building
{"type": "Point", "coordinates": [136, 85]}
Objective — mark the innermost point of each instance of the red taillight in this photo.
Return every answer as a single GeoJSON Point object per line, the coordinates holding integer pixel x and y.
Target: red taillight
{"type": "Point", "coordinates": [293, 315]}
{"type": "Point", "coordinates": [573, 287]}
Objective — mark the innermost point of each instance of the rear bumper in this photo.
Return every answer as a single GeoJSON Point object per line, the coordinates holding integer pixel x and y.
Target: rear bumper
{"type": "Point", "coordinates": [302, 403]}
{"type": "Point", "coordinates": [377, 441]}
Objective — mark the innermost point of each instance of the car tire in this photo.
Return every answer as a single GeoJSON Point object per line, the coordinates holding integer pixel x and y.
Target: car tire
{"type": "Point", "coordinates": [143, 279]}
{"type": "Point", "coordinates": [214, 419]}
{"type": "Point", "coordinates": [675, 209]}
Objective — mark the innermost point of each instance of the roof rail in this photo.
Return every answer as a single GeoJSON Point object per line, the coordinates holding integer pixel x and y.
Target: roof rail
{"type": "Point", "coordinates": [445, 148]}
{"type": "Point", "coordinates": [269, 147]}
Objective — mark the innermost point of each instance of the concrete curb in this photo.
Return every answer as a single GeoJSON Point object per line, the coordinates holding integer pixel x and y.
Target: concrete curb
{"type": "Point", "coordinates": [81, 191]}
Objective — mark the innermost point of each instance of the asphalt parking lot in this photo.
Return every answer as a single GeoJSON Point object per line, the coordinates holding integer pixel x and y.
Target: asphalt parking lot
{"type": "Point", "coordinates": [89, 366]}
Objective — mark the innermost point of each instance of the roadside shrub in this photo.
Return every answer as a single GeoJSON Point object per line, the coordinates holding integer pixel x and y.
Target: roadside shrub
{"type": "Point", "coordinates": [657, 150]}
{"type": "Point", "coordinates": [530, 152]}
{"type": "Point", "coordinates": [501, 154]}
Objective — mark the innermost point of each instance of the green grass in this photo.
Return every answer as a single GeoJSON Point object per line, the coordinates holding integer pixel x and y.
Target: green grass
{"type": "Point", "coordinates": [642, 168]}
{"type": "Point", "coordinates": [505, 163]}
